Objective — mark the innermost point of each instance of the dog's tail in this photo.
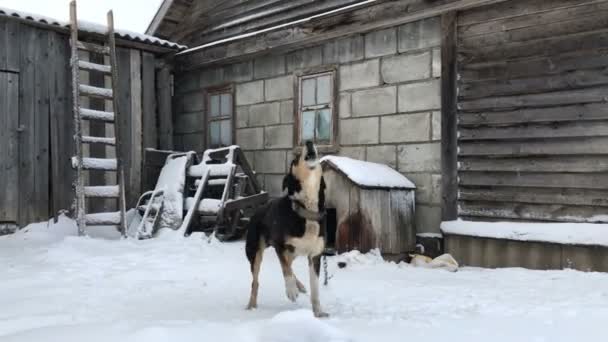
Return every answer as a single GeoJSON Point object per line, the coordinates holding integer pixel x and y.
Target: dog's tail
{"type": "Point", "coordinates": [254, 235]}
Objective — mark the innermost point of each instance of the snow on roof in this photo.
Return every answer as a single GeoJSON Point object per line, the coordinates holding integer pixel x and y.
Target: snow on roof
{"type": "Point", "coordinates": [368, 174]}
{"type": "Point", "coordinates": [86, 26]}
{"type": "Point", "coordinates": [562, 233]}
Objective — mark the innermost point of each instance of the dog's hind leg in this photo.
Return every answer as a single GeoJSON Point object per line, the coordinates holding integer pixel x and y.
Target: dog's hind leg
{"type": "Point", "coordinates": [255, 256]}
{"type": "Point", "coordinates": [291, 283]}
{"type": "Point", "coordinates": [314, 266]}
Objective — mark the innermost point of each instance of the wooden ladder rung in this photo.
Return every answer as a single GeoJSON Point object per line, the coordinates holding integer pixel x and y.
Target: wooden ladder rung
{"type": "Point", "coordinates": [102, 164]}
{"type": "Point", "coordinates": [91, 47]}
{"type": "Point", "coordinates": [101, 93]}
{"type": "Point", "coordinates": [106, 69]}
{"type": "Point", "coordinates": [102, 191]}
{"type": "Point", "coordinates": [103, 219]}
{"type": "Point", "coordinates": [92, 114]}
{"type": "Point", "coordinates": [98, 140]}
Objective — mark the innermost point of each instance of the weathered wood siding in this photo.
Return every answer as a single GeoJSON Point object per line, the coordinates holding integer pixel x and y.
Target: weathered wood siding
{"type": "Point", "coordinates": [370, 218]}
{"type": "Point", "coordinates": [533, 111]}
{"type": "Point", "coordinates": [36, 134]}
{"type": "Point", "coordinates": [209, 20]}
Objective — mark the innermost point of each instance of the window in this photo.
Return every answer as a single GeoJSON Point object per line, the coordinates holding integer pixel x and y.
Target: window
{"type": "Point", "coordinates": [316, 110]}
{"type": "Point", "coordinates": [219, 118]}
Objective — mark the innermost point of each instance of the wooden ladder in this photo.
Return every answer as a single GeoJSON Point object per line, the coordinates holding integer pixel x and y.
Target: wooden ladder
{"type": "Point", "coordinates": [80, 162]}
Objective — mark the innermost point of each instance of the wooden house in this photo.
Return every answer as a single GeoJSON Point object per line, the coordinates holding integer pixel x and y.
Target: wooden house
{"type": "Point", "coordinates": [495, 109]}
{"type": "Point", "coordinates": [37, 122]}
{"type": "Point", "coordinates": [371, 206]}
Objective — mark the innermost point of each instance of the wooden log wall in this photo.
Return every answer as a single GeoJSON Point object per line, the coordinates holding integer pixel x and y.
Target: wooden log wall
{"type": "Point", "coordinates": [533, 111]}
{"type": "Point", "coordinates": [209, 20]}
{"type": "Point", "coordinates": [36, 138]}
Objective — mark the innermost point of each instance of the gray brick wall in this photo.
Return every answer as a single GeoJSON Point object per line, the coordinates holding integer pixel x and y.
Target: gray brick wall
{"type": "Point", "coordinates": [388, 106]}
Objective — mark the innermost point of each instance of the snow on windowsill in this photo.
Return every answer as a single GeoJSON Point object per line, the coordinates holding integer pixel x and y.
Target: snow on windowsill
{"type": "Point", "coordinates": [562, 233]}
{"type": "Point", "coordinates": [368, 174]}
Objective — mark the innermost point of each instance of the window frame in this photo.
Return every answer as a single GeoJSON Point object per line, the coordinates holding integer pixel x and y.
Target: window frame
{"type": "Point", "coordinates": [218, 90]}
{"type": "Point", "coordinates": [332, 146]}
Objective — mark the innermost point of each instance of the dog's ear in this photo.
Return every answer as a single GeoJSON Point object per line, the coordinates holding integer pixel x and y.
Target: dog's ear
{"type": "Point", "coordinates": [292, 184]}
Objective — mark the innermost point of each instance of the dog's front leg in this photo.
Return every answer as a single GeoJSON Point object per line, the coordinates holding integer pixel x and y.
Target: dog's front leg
{"type": "Point", "coordinates": [291, 283]}
{"type": "Point", "coordinates": [314, 266]}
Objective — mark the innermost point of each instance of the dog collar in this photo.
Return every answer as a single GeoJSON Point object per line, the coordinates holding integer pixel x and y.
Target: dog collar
{"type": "Point", "coordinates": [306, 214]}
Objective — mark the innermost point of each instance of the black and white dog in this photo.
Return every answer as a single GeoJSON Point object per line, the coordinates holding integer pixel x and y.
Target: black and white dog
{"type": "Point", "coordinates": [292, 224]}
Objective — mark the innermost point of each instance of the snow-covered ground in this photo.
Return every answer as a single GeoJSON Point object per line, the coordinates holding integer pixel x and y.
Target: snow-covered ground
{"type": "Point", "coordinates": [55, 286]}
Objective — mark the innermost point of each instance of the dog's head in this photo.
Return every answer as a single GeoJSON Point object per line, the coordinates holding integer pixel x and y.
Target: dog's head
{"type": "Point", "coordinates": [305, 165]}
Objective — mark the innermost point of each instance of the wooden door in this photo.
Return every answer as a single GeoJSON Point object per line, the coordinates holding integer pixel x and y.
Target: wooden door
{"type": "Point", "coordinates": [9, 153]}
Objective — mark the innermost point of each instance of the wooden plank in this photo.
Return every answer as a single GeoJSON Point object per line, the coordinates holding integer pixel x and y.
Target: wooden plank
{"type": "Point", "coordinates": [535, 179]}
{"type": "Point", "coordinates": [581, 9]}
{"type": "Point", "coordinates": [123, 57]}
{"type": "Point", "coordinates": [282, 12]}
{"type": "Point", "coordinates": [571, 80]}
{"type": "Point", "coordinates": [577, 24]}
{"type": "Point", "coordinates": [148, 83]}
{"type": "Point", "coordinates": [27, 143]}
{"type": "Point", "coordinates": [564, 146]}
{"type": "Point", "coordinates": [565, 97]}
{"type": "Point", "coordinates": [9, 38]}
{"type": "Point", "coordinates": [588, 197]}
{"type": "Point", "coordinates": [449, 134]}
{"type": "Point", "coordinates": [547, 164]}
{"type": "Point", "coordinates": [162, 11]}
{"type": "Point", "coordinates": [375, 206]}
{"type": "Point", "coordinates": [165, 116]}
{"type": "Point", "coordinates": [61, 124]}
{"type": "Point", "coordinates": [135, 179]}
{"type": "Point", "coordinates": [512, 9]}
{"type": "Point", "coordinates": [534, 212]}
{"type": "Point", "coordinates": [537, 131]}
{"type": "Point", "coordinates": [9, 150]}
{"type": "Point", "coordinates": [41, 129]}
{"type": "Point", "coordinates": [150, 136]}
{"type": "Point", "coordinates": [540, 47]}
{"type": "Point", "coordinates": [533, 66]}
{"type": "Point", "coordinates": [383, 15]}
{"type": "Point", "coordinates": [586, 112]}
{"type": "Point", "coordinates": [401, 216]}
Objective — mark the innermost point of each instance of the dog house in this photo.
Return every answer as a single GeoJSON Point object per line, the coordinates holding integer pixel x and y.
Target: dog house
{"type": "Point", "coordinates": [369, 205]}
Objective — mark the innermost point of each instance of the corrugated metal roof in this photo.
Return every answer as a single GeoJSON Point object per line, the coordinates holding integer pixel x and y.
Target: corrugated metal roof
{"type": "Point", "coordinates": [92, 27]}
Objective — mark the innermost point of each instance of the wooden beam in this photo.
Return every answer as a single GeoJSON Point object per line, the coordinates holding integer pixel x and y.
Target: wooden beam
{"type": "Point", "coordinates": [449, 134]}
{"type": "Point", "coordinates": [159, 16]}
{"type": "Point", "coordinates": [165, 116]}
{"type": "Point", "coordinates": [383, 15]}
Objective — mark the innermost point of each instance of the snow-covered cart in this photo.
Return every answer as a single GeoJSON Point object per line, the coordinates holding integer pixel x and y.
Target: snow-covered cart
{"type": "Point", "coordinates": [217, 194]}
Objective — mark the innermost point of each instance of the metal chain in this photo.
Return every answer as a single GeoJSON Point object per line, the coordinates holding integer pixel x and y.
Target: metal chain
{"type": "Point", "coordinates": [325, 270]}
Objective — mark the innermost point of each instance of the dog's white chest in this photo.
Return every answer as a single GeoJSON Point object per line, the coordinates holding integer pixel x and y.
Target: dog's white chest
{"type": "Point", "coordinates": [310, 244]}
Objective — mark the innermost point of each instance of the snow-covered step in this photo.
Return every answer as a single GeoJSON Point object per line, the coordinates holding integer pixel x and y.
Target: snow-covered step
{"type": "Point", "coordinates": [105, 50]}
{"type": "Point", "coordinates": [220, 181]}
{"type": "Point", "coordinates": [103, 219]}
{"type": "Point", "coordinates": [104, 164]}
{"type": "Point", "coordinates": [106, 69]}
{"type": "Point", "coordinates": [98, 140]}
{"type": "Point", "coordinates": [205, 206]}
{"type": "Point", "coordinates": [98, 92]}
{"type": "Point", "coordinates": [92, 114]}
{"type": "Point", "coordinates": [104, 191]}
{"type": "Point", "coordinates": [215, 170]}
